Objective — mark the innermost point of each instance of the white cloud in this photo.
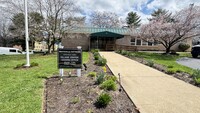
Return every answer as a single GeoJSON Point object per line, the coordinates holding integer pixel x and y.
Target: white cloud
{"type": "Point", "coordinates": [122, 7]}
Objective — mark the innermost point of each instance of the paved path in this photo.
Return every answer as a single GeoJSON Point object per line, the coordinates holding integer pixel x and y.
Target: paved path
{"type": "Point", "coordinates": [190, 62]}
{"type": "Point", "coordinates": [153, 91]}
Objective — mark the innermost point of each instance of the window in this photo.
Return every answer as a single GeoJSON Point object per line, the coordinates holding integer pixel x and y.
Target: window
{"type": "Point", "coordinates": [150, 43]}
{"type": "Point", "coordinates": [13, 50]}
{"type": "Point", "coordinates": [138, 42]}
{"type": "Point", "coordinates": [156, 42]}
{"type": "Point", "coordinates": [133, 41]}
{"type": "Point", "coordinates": [144, 43]}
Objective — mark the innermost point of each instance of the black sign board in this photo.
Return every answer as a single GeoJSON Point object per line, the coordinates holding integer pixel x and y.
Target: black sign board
{"type": "Point", "coordinates": [69, 58]}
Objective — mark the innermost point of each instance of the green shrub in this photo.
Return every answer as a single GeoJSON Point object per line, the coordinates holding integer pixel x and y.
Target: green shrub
{"type": "Point", "coordinates": [34, 64]}
{"type": "Point", "coordinates": [111, 77]}
{"type": "Point", "coordinates": [19, 66]}
{"type": "Point", "coordinates": [150, 63]}
{"type": "Point", "coordinates": [123, 52]}
{"type": "Point", "coordinates": [94, 50]}
{"type": "Point", "coordinates": [179, 71]}
{"type": "Point", "coordinates": [103, 100]}
{"type": "Point", "coordinates": [183, 46]}
{"type": "Point", "coordinates": [196, 76]}
{"type": "Point", "coordinates": [169, 71]}
{"type": "Point", "coordinates": [109, 85]}
{"type": "Point", "coordinates": [100, 78]}
{"type": "Point", "coordinates": [101, 62]}
{"type": "Point", "coordinates": [96, 54]}
{"type": "Point", "coordinates": [92, 74]}
{"type": "Point", "coordinates": [118, 51]}
{"type": "Point", "coordinates": [96, 57]}
{"type": "Point", "coordinates": [131, 54]}
{"type": "Point", "coordinates": [170, 66]}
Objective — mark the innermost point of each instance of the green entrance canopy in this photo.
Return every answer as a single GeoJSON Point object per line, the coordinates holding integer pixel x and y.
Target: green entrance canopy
{"type": "Point", "coordinates": [106, 34]}
{"type": "Point", "coordinates": [93, 30]}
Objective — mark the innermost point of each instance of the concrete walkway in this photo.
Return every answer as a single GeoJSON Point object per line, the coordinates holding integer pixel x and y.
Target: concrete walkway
{"type": "Point", "coordinates": [153, 91]}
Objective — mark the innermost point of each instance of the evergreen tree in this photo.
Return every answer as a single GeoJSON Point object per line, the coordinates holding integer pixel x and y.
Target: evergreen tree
{"type": "Point", "coordinates": [133, 20]}
{"type": "Point", "coordinates": [157, 14]}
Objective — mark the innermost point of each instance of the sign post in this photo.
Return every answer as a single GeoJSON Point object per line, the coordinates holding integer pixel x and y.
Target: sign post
{"type": "Point", "coordinates": [70, 59]}
{"type": "Point", "coordinates": [61, 70]}
{"type": "Point", "coordinates": [78, 71]}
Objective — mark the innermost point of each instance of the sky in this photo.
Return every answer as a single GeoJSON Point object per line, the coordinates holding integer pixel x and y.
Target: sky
{"type": "Point", "coordinates": [142, 7]}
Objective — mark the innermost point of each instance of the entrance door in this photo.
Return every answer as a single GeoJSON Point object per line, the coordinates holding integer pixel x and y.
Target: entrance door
{"type": "Point", "coordinates": [101, 42]}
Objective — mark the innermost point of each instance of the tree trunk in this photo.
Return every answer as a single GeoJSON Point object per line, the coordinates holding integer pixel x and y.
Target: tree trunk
{"type": "Point", "coordinates": [49, 48]}
{"type": "Point", "coordinates": [53, 45]}
{"type": "Point", "coordinates": [167, 50]}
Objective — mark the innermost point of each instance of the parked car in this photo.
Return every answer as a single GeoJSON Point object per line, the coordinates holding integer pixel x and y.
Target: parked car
{"type": "Point", "coordinates": [195, 51]}
{"type": "Point", "coordinates": [9, 51]}
{"type": "Point", "coordinates": [30, 52]}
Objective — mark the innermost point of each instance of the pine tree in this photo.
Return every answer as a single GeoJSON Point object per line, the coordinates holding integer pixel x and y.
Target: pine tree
{"type": "Point", "coordinates": [133, 20]}
{"type": "Point", "coordinates": [157, 14]}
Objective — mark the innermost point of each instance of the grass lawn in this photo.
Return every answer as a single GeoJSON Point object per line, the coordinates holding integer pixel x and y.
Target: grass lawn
{"type": "Point", "coordinates": [21, 90]}
{"type": "Point", "coordinates": [166, 60]}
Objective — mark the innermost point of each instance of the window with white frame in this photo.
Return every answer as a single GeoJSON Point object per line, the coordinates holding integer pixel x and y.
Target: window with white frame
{"type": "Point", "coordinates": [156, 42]}
{"type": "Point", "coordinates": [150, 42]}
{"type": "Point", "coordinates": [139, 42]}
{"type": "Point", "coordinates": [144, 43]}
{"type": "Point", "coordinates": [133, 41]}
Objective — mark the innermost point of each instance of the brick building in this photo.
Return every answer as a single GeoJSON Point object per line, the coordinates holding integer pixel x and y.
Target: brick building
{"type": "Point", "coordinates": [110, 39]}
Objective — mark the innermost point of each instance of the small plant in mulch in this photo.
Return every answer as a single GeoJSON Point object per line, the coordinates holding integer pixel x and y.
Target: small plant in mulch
{"type": "Point", "coordinates": [109, 85]}
{"type": "Point", "coordinates": [92, 74]}
{"type": "Point", "coordinates": [75, 100]}
{"type": "Point", "coordinates": [100, 78]}
{"type": "Point", "coordinates": [104, 69]}
{"type": "Point", "coordinates": [90, 111]}
{"type": "Point", "coordinates": [111, 77]}
{"type": "Point", "coordinates": [96, 54]}
{"type": "Point", "coordinates": [150, 63]}
{"type": "Point", "coordinates": [94, 50]}
{"type": "Point", "coordinates": [103, 100]}
{"type": "Point", "coordinates": [96, 57]}
{"type": "Point", "coordinates": [101, 62]}
{"type": "Point", "coordinates": [196, 76]}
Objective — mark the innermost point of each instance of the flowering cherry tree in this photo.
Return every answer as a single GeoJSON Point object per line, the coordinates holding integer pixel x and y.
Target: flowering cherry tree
{"type": "Point", "coordinates": [182, 25]}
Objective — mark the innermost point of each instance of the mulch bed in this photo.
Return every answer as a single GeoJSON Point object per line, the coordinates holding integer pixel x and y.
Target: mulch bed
{"type": "Point", "coordinates": [78, 94]}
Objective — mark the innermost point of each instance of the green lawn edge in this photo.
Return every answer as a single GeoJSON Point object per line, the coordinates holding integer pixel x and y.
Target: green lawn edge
{"type": "Point", "coordinates": [21, 91]}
